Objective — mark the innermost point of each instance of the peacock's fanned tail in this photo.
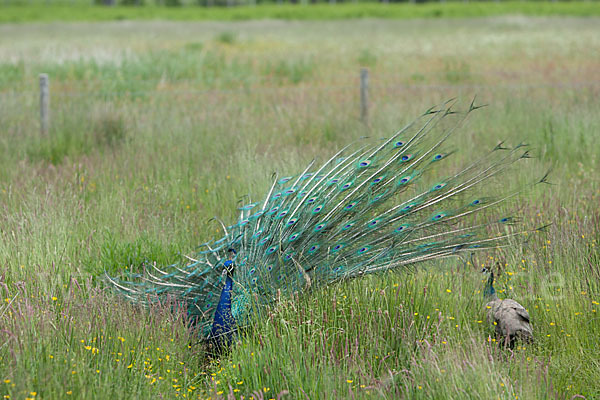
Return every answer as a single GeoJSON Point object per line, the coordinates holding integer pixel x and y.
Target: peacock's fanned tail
{"type": "Point", "coordinates": [373, 206]}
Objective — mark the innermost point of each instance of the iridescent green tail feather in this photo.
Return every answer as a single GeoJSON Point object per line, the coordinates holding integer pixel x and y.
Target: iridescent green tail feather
{"type": "Point", "coordinates": [373, 206]}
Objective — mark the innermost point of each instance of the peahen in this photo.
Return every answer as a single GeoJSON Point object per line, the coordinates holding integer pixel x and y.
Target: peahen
{"type": "Point", "coordinates": [373, 206]}
{"type": "Point", "coordinates": [511, 320]}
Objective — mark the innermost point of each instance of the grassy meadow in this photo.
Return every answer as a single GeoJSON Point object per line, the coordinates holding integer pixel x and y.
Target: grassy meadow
{"type": "Point", "coordinates": [81, 10]}
{"type": "Point", "coordinates": [158, 126]}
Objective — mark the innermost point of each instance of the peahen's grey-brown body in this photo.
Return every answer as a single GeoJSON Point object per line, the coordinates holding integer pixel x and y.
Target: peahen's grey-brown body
{"type": "Point", "coordinates": [510, 319]}
{"type": "Point", "coordinates": [376, 205]}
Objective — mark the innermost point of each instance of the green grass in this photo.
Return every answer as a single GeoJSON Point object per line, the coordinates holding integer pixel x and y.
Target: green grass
{"type": "Point", "coordinates": [154, 135]}
{"type": "Point", "coordinates": [81, 12]}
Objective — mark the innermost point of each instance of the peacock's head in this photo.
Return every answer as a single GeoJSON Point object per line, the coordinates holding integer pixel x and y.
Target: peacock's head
{"type": "Point", "coordinates": [489, 290]}
{"type": "Point", "coordinates": [230, 263]}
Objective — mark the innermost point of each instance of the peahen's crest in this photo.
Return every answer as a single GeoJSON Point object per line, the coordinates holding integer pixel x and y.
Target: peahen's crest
{"type": "Point", "coordinates": [374, 206]}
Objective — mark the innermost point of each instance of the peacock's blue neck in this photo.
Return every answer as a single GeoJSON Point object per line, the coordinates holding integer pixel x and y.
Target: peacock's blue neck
{"type": "Point", "coordinates": [224, 323]}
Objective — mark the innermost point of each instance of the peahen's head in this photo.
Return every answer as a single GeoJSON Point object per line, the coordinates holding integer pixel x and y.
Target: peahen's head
{"type": "Point", "coordinates": [489, 291]}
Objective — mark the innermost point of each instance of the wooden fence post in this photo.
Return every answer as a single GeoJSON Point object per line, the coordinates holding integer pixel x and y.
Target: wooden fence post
{"type": "Point", "coordinates": [364, 88]}
{"type": "Point", "coordinates": [44, 104]}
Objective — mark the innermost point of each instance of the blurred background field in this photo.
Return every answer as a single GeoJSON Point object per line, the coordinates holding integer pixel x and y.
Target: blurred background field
{"type": "Point", "coordinates": [236, 10]}
{"type": "Point", "coordinates": [157, 126]}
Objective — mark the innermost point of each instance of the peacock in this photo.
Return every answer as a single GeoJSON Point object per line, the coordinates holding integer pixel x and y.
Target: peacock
{"type": "Point", "coordinates": [375, 205]}
{"type": "Point", "coordinates": [511, 320]}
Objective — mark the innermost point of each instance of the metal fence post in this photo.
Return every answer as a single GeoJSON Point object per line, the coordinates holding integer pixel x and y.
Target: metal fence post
{"type": "Point", "coordinates": [364, 88]}
{"type": "Point", "coordinates": [44, 104]}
